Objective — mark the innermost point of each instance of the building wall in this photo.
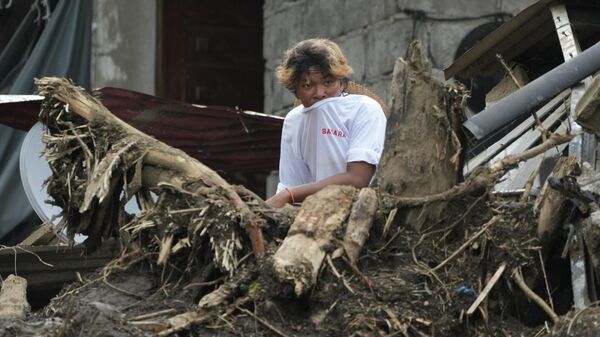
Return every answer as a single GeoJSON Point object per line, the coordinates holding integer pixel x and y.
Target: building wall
{"type": "Point", "coordinates": [124, 44]}
{"type": "Point", "coordinates": [373, 34]}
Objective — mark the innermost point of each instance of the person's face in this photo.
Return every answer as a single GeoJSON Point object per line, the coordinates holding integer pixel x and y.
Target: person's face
{"type": "Point", "coordinates": [313, 86]}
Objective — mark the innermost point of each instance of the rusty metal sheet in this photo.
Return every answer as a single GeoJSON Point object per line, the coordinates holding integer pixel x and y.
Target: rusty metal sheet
{"type": "Point", "coordinates": [224, 138]}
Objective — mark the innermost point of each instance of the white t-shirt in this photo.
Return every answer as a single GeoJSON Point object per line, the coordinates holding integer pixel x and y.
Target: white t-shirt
{"type": "Point", "coordinates": [317, 142]}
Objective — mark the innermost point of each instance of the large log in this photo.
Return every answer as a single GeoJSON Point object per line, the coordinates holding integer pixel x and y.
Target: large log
{"type": "Point", "coordinates": [422, 151]}
{"type": "Point", "coordinates": [312, 236]}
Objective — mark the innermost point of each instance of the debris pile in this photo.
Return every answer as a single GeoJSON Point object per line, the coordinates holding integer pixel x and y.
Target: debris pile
{"type": "Point", "coordinates": [450, 258]}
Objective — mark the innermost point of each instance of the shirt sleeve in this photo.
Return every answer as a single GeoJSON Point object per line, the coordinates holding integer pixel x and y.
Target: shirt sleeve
{"type": "Point", "coordinates": [367, 134]}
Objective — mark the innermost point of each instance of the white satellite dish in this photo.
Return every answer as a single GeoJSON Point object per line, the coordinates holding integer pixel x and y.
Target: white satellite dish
{"type": "Point", "coordinates": [35, 170]}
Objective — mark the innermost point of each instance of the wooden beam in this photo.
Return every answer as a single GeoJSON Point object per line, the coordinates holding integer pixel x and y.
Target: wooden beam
{"type": "Point", "coordinates": [51, 266]}
{"type": "Point", "coordinates": [467, 64]}
{"type": "Point", "coordinates": [487, 289]}
{"type": "Point", "coordinates": [568, 42]}
{"type": "Point", "coordinates": [43, 235]}
{"type": "Point", "coordinates": [570, 48]}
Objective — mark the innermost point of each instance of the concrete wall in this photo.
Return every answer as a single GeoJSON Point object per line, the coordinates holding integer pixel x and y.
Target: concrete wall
{"type": "Point", "coordinates": [124, 44]}
{"type": "Point", "coordinates": [372, 34]}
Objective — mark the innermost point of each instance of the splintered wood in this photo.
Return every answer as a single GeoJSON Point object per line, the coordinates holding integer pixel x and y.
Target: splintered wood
{"type": "Point", "coordinates": [422, 151]}
{"type": "Point", "coordinates": [321, 217]}
{"type": "Point", "coordinates": [359, 223]}
{"type": "Point", "coordinates": [550, 203]}
{"type": "Point", "coordinates": [99, 163]}
{"type": "Point", "coordinates": [588, 108]}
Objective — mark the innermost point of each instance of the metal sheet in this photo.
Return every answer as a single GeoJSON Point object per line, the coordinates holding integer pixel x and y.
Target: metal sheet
{"type": "Point", "coordinates": [224, 138]}
{"type": "Point", "coordinates": [536, 93]}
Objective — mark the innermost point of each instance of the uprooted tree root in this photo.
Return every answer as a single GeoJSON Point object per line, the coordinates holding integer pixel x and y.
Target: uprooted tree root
{"type": "Point", "coordinates": [188, 263]}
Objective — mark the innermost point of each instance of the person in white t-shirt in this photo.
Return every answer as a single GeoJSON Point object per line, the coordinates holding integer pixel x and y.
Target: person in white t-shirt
{"type": "Point", "coordinates": [331, 138]}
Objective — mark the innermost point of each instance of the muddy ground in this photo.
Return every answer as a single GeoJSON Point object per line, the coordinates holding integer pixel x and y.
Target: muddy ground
{"type": "Point", "coordinates": [407, 298]}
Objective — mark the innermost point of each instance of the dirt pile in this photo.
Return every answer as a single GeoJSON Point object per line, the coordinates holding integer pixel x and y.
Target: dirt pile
{"type": "Point", "coordinates": [407, 297]}
{"type": "Point", "coordinates": [199, 257]}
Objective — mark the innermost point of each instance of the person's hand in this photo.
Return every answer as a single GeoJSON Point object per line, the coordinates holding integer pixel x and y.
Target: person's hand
{"type": "Point", "coordinates": [279, 200]}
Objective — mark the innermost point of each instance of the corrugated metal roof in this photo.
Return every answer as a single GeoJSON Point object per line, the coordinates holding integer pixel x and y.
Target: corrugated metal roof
{"type": "Point", "coordinates": [224, 138]}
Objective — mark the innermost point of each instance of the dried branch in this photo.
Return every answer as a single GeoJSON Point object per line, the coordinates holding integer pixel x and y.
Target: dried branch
{"type": "Point", "coordinates": [510, 161]}
{"type": "Point", "coordinates": [462, 248]}
{"type": "Point", "coordinates": [516, 275]}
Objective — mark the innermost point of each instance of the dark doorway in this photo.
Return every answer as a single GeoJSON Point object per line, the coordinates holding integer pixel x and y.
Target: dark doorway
{"type": "Point", "coordinates": [210, 52]}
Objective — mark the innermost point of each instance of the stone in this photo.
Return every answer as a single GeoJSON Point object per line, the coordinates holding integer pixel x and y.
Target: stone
{"type": "Point", "coordinates": [381, 88]}
{"type": "Point", "coordinates": [385, 43]}
{"type": "Point", "coordinates": [289, 28]}
{"type": "Point", "coordinates": [322, 19]}
{"type": "Point", "coordinates": [355, 16]}
{"type": "Point", "coordinates": [354, 47]}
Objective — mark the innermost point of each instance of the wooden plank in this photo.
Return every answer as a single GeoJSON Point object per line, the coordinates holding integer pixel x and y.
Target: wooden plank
{"type": "Point", "coordinates": [49, 266]}
{"type": "Point", "coordinates": [43, 235]}
{"type": "Point", "coordinates": [466, 64]}
{"type": "Point", "coordinates": [516, 44]}
{"type": "Point", "coordinates": [515, 179]}
{"type": "Point", "coordinates": [514, 134]}
{"type": "Point", "coordinates": [580, 145]}
{"type": "Point", "coordinates": [568, 42]}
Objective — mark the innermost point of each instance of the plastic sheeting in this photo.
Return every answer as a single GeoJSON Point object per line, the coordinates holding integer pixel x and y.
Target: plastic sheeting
{"type": "Point", "coordinates": [63, 49]}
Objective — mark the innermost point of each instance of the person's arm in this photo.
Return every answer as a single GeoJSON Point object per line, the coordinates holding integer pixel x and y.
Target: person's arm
{"type": "Point", "coordinates": [358, 174]}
